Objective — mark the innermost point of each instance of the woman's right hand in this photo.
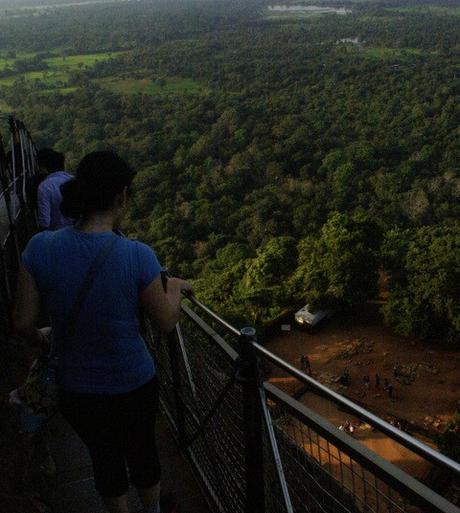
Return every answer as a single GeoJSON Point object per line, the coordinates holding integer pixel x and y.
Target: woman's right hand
{"type": "Point", "coordinates": [164, 306]}
{"type": "Point", "coordinates": [179, 284]}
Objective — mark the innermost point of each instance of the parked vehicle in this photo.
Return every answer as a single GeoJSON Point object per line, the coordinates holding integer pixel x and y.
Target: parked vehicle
{"type": "Point", "coordinates": [307, 318]}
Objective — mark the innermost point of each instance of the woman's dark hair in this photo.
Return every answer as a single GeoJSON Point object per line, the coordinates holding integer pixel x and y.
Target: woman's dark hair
{"type": "Point", "coordinates": [100, 176]}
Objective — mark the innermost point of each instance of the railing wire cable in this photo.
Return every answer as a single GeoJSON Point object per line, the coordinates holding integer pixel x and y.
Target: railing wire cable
{"type": "Point", "coordinates": [184, 354]}
{"type": "Point", "coordinates": [212, 410]}
{"type": "Point", "coordinates": [13, 163]}
{"type": "Point", "coordinates": [275, 451]}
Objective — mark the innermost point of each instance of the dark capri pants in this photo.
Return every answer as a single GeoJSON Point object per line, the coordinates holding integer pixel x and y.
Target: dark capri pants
{"type": "Point", "coordinates": [118, 430]}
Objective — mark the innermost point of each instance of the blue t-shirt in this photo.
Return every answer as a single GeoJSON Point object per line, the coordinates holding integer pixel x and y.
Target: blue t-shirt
{"type": "Point", "coordinates": [110, 356]}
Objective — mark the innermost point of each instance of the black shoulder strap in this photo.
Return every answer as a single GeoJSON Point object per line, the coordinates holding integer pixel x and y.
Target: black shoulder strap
{"type": "Point", "coordinates": [74, 313]}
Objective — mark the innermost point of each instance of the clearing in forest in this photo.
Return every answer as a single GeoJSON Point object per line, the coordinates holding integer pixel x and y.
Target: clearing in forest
{"type": "Point", "coordinates": [8, 62]}
{"type": "Point", "coordinates": [389, 53]}
{"type": "Point", "coordinates": [72, 62]}
{"type": "Point", "coordinates": [59, 68]}
{"type": "Point", "coordinates": [168, 85]}
{"type": "Point", "coordinates": [46, 77]}
{"type": "Point", "coordinates": [277, 12]}
{"type": "Point", "coordinates": [4, 107]}
{"type": "Point", "coordinates": [425, 378]}
{"type": "Point", "coordinates": [427, 9]}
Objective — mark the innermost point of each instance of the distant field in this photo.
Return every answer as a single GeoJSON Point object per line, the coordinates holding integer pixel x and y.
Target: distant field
{"type": "Point", "coordinates": [55, 78]}
{"type": "Point", "coordinates": [290, 15]}
{"type": "Point", "coordinates": [73, 62]}
{"type": "Point", "coordinates": [4, 62]}
{"type": "Point", "coordinates": [389, 53]}
{"type": "Point", "coordinates": [367, 17]}
{"type": "Point", "coordinates": [283, 12]}
{"type": "Point", "coordinates": [294, 15]}
{"type": "Point", "coordinates": [383, 53]}
{"type": "Point", "coordinates": [4, 107]}
{"type": "Point", "coordinates": [15, 11]}
{"type": "Point", "coordinates": [49, 78]}
{"type": "Point", "coordinates": [59, 90]}
{"type": "Point", "coordinates": [427, 9]}
{"type": "Point", "coordinates": [173, 85]}
{"type": "Point", "coordinates": [59, 67]}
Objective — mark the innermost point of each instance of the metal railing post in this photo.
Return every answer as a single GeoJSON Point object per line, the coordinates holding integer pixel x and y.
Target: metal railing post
{"type": "Point", "coordinates": [253, 424]}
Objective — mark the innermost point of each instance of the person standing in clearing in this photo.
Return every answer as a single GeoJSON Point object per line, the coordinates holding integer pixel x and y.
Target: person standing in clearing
{"type": "Point", "coordinates": [390, 390]}
{"type": "Point", "coordinates": [305, 364]}
{"type": "Point", "coordinates": [367, 382]}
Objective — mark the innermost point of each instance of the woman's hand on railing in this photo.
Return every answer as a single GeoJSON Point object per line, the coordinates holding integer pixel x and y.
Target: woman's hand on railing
{"type": "Point", "coordinates": [185, 287]}
{"type": "Point", "coordinates": [162, 301]}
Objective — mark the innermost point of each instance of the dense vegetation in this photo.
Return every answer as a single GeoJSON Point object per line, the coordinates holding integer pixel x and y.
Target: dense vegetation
{"type": "Point", "coordinates": [280, 160]}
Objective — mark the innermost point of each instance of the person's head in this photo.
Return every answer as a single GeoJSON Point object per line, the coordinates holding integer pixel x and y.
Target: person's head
{"type": "Point", "coordinates": [50, 161]}
{"type": "Point", "coordinates": [101, 185]}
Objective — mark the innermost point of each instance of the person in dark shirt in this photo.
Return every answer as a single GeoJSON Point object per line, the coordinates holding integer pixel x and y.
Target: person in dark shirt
{"type": "Point", "coordinates": [305, 364]}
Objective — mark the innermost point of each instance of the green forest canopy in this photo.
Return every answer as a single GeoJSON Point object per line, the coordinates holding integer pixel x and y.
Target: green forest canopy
{"type": "Point", "coordinates": [280, 160]}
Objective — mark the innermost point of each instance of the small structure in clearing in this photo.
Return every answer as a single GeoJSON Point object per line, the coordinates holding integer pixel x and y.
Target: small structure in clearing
{"type": "Point", "coordinates": [307, 318]}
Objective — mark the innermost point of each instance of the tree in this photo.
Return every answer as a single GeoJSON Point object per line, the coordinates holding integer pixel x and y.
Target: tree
{"type": "Point", "coordinates": [424, 265]}
{"type": "Point", "coordinates": [340, 268]}
{"type": "Point", "coordinates": [264, 288]}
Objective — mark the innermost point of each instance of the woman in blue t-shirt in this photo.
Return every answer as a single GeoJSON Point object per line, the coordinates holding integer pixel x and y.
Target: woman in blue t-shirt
{"type": "Point", "coordinates": [108, 384]}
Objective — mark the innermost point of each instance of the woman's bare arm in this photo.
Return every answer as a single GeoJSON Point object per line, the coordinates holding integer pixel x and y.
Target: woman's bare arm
{"type": "Point", "coordinates": [164, 307]}
{"type": "Point", "coordinates": [26, 306]}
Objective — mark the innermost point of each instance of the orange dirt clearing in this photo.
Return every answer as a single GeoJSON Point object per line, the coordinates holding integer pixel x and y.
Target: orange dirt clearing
{"type": "Point", "coordinates": [425, 378]}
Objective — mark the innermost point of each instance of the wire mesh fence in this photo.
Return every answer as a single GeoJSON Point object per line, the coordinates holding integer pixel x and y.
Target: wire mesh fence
{"type": "Point", "coordinates": [159, 348]}
{"type": "Point", "coordinates": [17, 222]}
{"type": "Point", "coordinates": [323, 478]}
{"type": "Point", "coordinates": [201, 372]}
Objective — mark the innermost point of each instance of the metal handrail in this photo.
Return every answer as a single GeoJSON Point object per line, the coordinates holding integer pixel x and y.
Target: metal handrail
{"type": "Point", "coordinates": [385, 427]}
{"type": "Point", "coordinates": [213, 315]}
{"type": "Point", "coordinates": [229, 351]}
